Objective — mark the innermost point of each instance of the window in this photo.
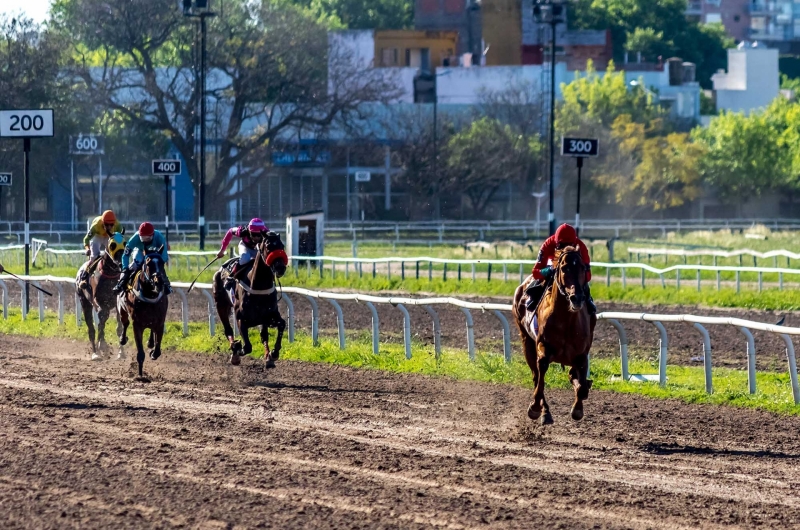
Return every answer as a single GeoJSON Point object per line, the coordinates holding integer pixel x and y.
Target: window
{"type": "Point", "coordinates": [736, 18]}
{"type": "Point", "coordinates": [713, 18]}
{"type": "Point", "coordinates": [453, 6]}
{"type": "Point", "coordinates": [389, 57]}
{"type": "Point", "coordinates": [429, 6]}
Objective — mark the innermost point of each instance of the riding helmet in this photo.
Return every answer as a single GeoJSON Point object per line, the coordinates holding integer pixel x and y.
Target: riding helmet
{"type": "Point", "coordinates": [565, 234]}
{"type": "Point", "coordinates": [256, 225]}
{"type": "Point", "coordinates": [109, 218]}
{"type": "Point", "coordinates": [146, 229]}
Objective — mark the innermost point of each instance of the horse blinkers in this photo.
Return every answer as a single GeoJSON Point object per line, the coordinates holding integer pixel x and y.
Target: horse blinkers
{"type": "Point", "coordinates": [277, 260]}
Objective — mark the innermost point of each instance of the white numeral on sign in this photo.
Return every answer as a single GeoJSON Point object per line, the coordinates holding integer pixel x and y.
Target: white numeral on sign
{"type": "Point", "coordinates": [86, 144]}
{"type": "Point", "coordinates": [577, 146]}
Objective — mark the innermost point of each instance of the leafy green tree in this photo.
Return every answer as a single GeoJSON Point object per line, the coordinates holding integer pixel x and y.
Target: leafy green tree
{"type": "Point", "coordinates": [271, 76]}
{"type": "Point", "coordinates": [747, 155]}
{"type": "Point", "coordinates": [366, 14]}
{"type": "Point", "coordinates": [660, 27]}
{"type": "Point", "coordinates": [487, 155]}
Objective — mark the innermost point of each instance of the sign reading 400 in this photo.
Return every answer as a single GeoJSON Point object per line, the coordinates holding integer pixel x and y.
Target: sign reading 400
{"type": "Point", "coordinates": [26, 123]}
{"type": "Point", "coordinates": [166, 167]}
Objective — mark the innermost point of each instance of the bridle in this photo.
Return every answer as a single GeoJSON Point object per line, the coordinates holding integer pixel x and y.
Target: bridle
{"type": "Point", "coordinates": [561, 289]}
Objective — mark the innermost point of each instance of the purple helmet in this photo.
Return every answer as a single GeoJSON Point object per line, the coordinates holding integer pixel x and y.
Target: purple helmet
{"type": "Point", "coordinates": [257, 226]}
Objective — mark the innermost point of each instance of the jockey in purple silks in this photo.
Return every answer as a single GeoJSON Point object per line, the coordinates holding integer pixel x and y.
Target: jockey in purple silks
{"type": "Point", "coordinates": [249, 236]}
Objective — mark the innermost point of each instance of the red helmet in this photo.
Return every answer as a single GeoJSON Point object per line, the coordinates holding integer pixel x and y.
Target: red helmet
{"type": "Point", "coordinates": [566, 235]}
{"type": "Point", "coordinates": [146, 230]}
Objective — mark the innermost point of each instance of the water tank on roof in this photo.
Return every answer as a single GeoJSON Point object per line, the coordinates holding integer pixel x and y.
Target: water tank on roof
{"type": "Point", "coordinates": [675, 69]}
{"type": "Point", "coordinates": [689, 72]}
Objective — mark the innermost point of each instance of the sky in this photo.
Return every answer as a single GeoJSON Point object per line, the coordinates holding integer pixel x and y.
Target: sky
{"type": "Point", "coordinates": [35, 9]}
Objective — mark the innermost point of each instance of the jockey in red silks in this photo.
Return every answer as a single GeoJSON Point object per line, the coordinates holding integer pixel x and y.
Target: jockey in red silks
{"type": "Point", "coordinates": [543, 272]}
{"type": "Point", "coordinates": [250, 236]}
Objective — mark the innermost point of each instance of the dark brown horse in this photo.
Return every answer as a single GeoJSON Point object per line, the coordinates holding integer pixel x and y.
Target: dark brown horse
{"type": "Point", "coordinates": [255, 303]}
{"type": "Point", "coordinates": [146, 304]}
{"type": "Point", "coordinates": [100, 295]}
{"type": "Point", "coordinates": [565, 332]}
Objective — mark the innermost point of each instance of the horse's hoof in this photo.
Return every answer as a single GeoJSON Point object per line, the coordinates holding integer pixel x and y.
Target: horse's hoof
{"type": "Point", "coordinates": [270, 362]}
{"type": "Point", "coordinates": [235, 360]}
{"type": "Point", "coordinates": [248, 349]}
{"type": "Point", "coordinates": [275, 354]}
{"type": "Point", "coordinates": [123, 341]}
{"type": "Point", "coordinates": [155, 354]}
{"type": "Point", "coordinates": [533, 412]}
{"type": "Point", "coordinates": [546, 419]}
{"type": "Point", "coordinates": [577, 413]}
{"type": "Point", "coordinates": [96, 357]}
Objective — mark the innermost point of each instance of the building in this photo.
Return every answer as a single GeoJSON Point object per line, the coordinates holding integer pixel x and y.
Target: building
{"type": "Point", "coordinates": [752, 80]}
{"type": "Point", "coordinates": [734, 15]}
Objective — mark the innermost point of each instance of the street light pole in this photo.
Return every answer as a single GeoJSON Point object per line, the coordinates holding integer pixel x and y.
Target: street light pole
{"type": "Point", "coordinates": [189, 7]}
{"type": "Point", "coordinates": [551, 218]}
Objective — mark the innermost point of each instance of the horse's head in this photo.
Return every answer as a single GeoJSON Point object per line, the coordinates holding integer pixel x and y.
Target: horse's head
{"type": "Point", "coordinates": [152, 271]}
{"type": "Point", "coordinates": [271, 251]}
{"type": "Point", "coordinates": [116, 247]}
{"type": "Point", "coordinates": [571, 276]}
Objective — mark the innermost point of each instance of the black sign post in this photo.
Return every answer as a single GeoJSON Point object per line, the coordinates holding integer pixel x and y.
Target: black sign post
{"type": "Point", "coordinates": [167, 168]}
{"type": "Point", "coordinates": [26, 124]}
{"type": "Point", "coordinates": [579, 148]}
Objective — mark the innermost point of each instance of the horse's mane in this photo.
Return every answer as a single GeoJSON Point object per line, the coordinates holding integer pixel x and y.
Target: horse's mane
{"type": "Point", "coordinates": [565, 250]}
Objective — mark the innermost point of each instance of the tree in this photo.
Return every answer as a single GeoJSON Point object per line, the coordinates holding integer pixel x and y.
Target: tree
{"type": "Point", "coordinates": [271, 77]}
{"type": "Point", "coordinates": [366, 14]}
{"type": "Point", "coordinates": [30, 77]}
{"type": "Point", "coordinates": [643, 20]}
{"type": "Point", "coordinates": [747, 155]}
{"type": "Point", "coordinates": [487, 155]}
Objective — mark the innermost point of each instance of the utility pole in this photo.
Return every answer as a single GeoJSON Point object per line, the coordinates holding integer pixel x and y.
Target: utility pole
{"type": "Point", "coordinates": [551, 12]}
{"type": "Point", "coordinates": [199, 9]}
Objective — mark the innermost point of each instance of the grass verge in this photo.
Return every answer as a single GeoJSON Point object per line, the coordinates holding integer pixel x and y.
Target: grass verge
{"type": "Point", "coordinates": [684, 383]}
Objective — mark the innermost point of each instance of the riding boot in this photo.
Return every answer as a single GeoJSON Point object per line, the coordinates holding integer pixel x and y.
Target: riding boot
{"type": "Point", "coordinates": [230, 281]}
{"type": "Point", "coordinates": [589, 302]}
{"type": "Point", "coordinates": [534, 292]}
{"type": "Point", "coordinates": [123, 281]}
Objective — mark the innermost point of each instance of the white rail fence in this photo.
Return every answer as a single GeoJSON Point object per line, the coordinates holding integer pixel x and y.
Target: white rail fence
{"type": "Point", "coordinates": [498, 310]}
{"type": "Point", "coordinates": [430, 230]}
{"type": "Point", "coordinates": [459, 269]}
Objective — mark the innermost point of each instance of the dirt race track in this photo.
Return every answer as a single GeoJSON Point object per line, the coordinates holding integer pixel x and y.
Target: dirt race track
{"type": "Point", "coordinates": [206, 445]}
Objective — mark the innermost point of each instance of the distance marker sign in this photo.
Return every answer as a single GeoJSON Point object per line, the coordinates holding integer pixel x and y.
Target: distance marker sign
{"type": "Point", "coordinates": [580, 147]}
{"type": "Point", "coordinates": [166, 167]}
{"type": "Point", "coordinates": [5, 179]}
{"type": "Point", "coordinates": [26, 123]}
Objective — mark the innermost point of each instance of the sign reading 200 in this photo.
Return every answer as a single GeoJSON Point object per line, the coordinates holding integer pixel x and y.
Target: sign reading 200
{"type": "Point", "coordinates": [26, 123]}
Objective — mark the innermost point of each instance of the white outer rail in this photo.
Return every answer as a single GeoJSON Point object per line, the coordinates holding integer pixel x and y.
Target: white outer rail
{"type": "Point", "coordinates": [717, 253]}
{"type": "Point", "coordinates": [614, 318]}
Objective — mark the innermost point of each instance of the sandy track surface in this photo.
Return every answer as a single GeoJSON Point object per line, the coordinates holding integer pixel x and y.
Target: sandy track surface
{"type": "Point", "coordinates": [206, 445]}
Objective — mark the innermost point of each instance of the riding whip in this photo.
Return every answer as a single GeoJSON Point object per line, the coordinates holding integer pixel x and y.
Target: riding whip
{"type": "Point", "coordinates": [26, 281]}
{"type": "Point", "coordinates": [201, 273]}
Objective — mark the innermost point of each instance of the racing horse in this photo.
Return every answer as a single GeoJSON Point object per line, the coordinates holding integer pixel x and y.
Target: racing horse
{"type": "Point", "coordinates": [254, 303]}
{"type": "Point", "coordinates": [100, 295]}
{"type": "Point", "coordinates": [560, 330]}
{"type": "Point", "coordinates": [145, 302]}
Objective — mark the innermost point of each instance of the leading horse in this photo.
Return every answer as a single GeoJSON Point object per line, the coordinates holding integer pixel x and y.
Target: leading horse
{"type": "Point", "coordinates": [100, 294]}
{"type": "Point", "coordinates": [255, 303]}
{"type": "Point", "coordinates": [560, 330]}
{"type": "Point", "coordinates": [145, 303]}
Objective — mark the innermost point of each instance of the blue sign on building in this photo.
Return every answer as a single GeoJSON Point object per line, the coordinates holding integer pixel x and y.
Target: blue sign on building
{"type": "Point", "coordinates": [291, 158]}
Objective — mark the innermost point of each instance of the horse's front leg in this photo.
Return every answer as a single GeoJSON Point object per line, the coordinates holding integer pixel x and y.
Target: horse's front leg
{"type": "Point", "coordinates": [102, 318]}
{"type": "Point", "coordinates": [156, 335]}
{"type": "Point", "coordinates": [540, 403]}
{"type": "Point", "coordinates": [269, 362]}
{"type": "Point", "coordinates": [529, 350]}
{"type": "Point", "coordinates": [86, 308]}
{"type": "Point", "coordinates": [280, 325]}
{"type": "Point", "coordinates": [577, 375]}
{"type": "Point", "coordinates": [138, 337]}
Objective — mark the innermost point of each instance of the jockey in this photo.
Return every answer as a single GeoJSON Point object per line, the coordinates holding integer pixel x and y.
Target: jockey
{"type": "Point", "coordinates": [249, 236]}
{"type": "Point", "coordinates": [146, 240]}
{"type": "Point", "coordinates": [96, 240]}
{"type": "Point", "coordinates": [543, 273]}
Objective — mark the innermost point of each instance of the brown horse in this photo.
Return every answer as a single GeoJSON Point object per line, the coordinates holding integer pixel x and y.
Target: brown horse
{"type": "Point", "coordinates": [100, 295]}
{"type": "Point", "coordinates": [565, 332]}
{"type": "Point", "coordinates": [145, 303]}
{"type": "Point", "coordinates": [255, 303]}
